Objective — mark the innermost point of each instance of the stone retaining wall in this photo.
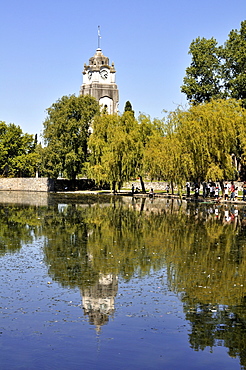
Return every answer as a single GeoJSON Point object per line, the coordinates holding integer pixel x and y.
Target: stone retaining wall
{"type": "Point", "coordinates": [45, 184]}
{"type": "Point", "coordinates": [156, 185]}
{"type": "Point", "coordinates": [27, 184]}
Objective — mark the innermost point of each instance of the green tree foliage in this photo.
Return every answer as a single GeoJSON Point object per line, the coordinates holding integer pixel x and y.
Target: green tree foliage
{"type": "Point", "coordinates": [117, 148]}
{"type": "Point", "coordinates": [234, 68]}
{"type": "Point", "coordinates": [112, 145]}
{"type": "Point", "coordinates": [165, 160]}
{"type": "Point", "coordinates": [203, 78]}
{"type": "Point", "coordinates": [199, 144]}
{"type": "Point", "coordinates": [146, 130]}
{"type": "Point", "coordinates": [66, 134]}
{"type": "Point", "coordinates": [217, 71]}
{"type": "Point", "coordinates": [18, 156]}
{"type": "Point", "coordinates": [128, 107]}
{"type": "Point", "coordinates": [19, 225]}
{"type": "Point", "coordinates": [166, 157]}
{"type": "Point", "coordinates": [211, 134]}
{"type": "Point", "coordinates": [111, 149]}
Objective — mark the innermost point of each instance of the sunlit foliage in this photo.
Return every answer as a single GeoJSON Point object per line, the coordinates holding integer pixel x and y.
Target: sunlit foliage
{"type": "Point", "coordinates": [66, 131]}
{"type": "Point", "coordinates": [116, 148]}
{"type": "Point", "coordinates": [217, 71]}
{"type": "Point", "coordinates": [18, 155]}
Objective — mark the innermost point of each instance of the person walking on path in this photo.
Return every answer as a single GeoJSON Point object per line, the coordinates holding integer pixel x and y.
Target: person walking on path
{"type": "Point", "coordinates": [216, 192]}
{"type": "Point", "coordinates": [226, 191]}
{"type": "Point", "coordinates": [232, 189]}
{"type": "Point", "coordinates": [151, 193]}
{"type": "Point", "coordinates": [196, 188]}
{"type": "Point", "coordinates": [236, 193]}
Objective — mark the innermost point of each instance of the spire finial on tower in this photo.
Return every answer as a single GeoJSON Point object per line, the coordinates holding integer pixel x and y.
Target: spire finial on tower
{"type": "Point", "coordinates": [99, 36]}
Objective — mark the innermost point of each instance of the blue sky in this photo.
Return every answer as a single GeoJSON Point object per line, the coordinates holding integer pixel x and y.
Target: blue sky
{"type": "Point", "coordinates": [44, 45]}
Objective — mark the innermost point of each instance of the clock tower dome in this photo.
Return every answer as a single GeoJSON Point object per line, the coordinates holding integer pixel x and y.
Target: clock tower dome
{"type": "Point", "coordinates": [99, 82]}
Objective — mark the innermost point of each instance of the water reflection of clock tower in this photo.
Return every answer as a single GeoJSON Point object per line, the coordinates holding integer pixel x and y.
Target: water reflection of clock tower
{"type": "Point", "coordinates": [99, 82]}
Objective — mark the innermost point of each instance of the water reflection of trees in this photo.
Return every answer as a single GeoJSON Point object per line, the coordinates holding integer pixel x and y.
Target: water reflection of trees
{"type": "Point", "coordinates": [18, 226]}
{"type": "Point", "coordinates": [202, 250]}
{"type": "Point", "coordinates": [217, 325]}
{"type": "Point", "coordinates": [202, 247]}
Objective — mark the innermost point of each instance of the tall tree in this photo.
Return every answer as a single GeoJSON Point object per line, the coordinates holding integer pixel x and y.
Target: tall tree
{"type": "Point", "coordinates": [234, 68]}
{"type": "Point", "coordinates": [203, 77]}
{"type": "Point", "coordinates": [128, 107]}
{"type": "Point", "coordinates": [166, 157]}
{"type": "Point", "coordinates": [113, 154]}
{"type": "Point", "coordinates": [207, 142]}
{"type": "Point", "coordinates": [217, 71]}
{"type": "Point", "coordinates": [17, 152]}
{"type": "Point", "coordinates": [66, 131]}
{"type": "Point", "coordinates": [146, 130]}
{"type": "Point", "coordinates": [117, 148]}
{"type": "Point", "coordinates": [212, 133]}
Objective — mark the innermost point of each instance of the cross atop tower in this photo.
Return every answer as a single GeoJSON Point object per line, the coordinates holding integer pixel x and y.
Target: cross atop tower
{"type": "Point", "coordinates": [99, 36]}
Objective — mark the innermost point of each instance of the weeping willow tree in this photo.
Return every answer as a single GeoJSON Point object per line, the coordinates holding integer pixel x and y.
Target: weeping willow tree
{"type": "Point", "coordinates": [166, 157]}
{"type": "Point", "coordinates": [199, 144]}
{"type": "Point", "coordinates": [212, 133]}
{"type": "Point", "coordinates": [116, 148]}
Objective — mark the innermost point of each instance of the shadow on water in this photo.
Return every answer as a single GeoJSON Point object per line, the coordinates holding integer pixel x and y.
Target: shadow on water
{"type": "Point", "coordinates": [89, 244]}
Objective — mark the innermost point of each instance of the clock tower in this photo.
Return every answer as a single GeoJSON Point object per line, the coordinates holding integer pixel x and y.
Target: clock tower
{"type": "Point", "coordinates": [99, 82]}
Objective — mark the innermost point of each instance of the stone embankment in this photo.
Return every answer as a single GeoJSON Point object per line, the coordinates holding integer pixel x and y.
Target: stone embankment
{"type": "Point", "coordinates": [155, 185]}
{"type": "Point", "coordinates": [27, 184]}
{"type": "Point", "coordinates": [44, 184]}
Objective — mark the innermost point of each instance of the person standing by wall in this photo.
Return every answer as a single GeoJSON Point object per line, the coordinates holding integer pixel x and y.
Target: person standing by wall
{"type": "Point", "coordinates": [226, 191]}
{"type": "Point", "coordinates": [232, 189]}
{"type": "Point", "coordinates": [196, 188]}
{"type": "Point", "coordinates": [236, 193]}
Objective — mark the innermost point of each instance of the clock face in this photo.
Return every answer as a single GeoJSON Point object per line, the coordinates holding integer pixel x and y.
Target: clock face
{"type": "Point", "coordinates": [89, 74]}
{"type": "Point", "coordinates": [104, 73]}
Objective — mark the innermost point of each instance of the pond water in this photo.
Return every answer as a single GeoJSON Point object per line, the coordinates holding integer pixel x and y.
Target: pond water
{"type": "Point", "coordinates": [121, 283]}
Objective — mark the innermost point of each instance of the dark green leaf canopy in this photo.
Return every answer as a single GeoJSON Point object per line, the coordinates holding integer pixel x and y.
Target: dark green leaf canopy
{"type": "Point", "coordinates": [66, 131]}
{"type": "Point", "coordinates": [217, 71]}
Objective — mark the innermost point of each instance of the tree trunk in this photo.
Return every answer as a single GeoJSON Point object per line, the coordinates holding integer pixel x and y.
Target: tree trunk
{"type": "Point", "coordinates": [114, 187]}
{"type": "Point", "coordinates": [142, 184]}
{"type": "Point", "coordinates": [73, 183]}
{"type": "Point", "coordinates": [222, 188]}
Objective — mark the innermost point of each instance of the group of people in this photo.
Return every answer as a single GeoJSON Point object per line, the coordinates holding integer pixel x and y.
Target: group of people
{"type": "Point", "coordinates": [213, 190]}
{"type": "Point", "coordinates": [135, 190]}
{"type": "Point", "coordinates": [209, 190]}
{"type": "Point", "coordinates": [232, 190]}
